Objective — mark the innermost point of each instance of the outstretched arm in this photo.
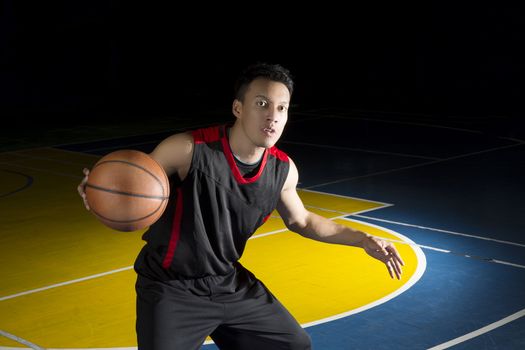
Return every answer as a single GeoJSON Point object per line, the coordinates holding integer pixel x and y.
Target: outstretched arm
{"type": "Point", "coordinates": [319, 228]}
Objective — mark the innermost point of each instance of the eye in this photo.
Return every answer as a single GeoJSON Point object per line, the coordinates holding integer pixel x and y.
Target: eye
{"type": "Point", "coordinates": [262, 103]}
{"type": "Point", "coordinates": [282, 108]}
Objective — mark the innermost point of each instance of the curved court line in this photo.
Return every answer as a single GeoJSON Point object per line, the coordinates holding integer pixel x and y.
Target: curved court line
{"type": "Point", "coordinates": [19, 340]}
{"type": "Point", "coordinates": [480, 331]}
{"type": "Point", "coordinates": [420, 269]}
{"type": "Point", "coordinates": [29, 182]}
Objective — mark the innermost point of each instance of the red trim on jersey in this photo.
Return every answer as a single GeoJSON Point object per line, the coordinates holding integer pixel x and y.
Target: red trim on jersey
{"type": "Point", "coordinates": [277, 153]}
{"type": "Point", "coordinates": [175, 231]}
{"type": "Point", "coordinates": [211, 134]}
{"type": "Point", "coordinates": [233, 165]}
{"type": "Point", "coordinates": [266, 218]}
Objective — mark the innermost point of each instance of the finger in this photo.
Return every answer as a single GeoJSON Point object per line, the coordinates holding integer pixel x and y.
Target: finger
{"type": "Point", "coordinates": [399, 260]}
{"type": "Point", "coordinates": [82, 185]}
{"type": "Point", "coordinates": [86, 175]}
{"type": "Point", "coordinates": [395, 254]}
{"type": "Point", "coordinates": [84, 198]}
{"type": "Point", "coordinates": [389, 267]}
{"type": "Point", "coordinates": [395, 261]}
{"type": "Point", "coordinates": [397, 268]}
{"type": "Point", "coordinates": [86, 204]}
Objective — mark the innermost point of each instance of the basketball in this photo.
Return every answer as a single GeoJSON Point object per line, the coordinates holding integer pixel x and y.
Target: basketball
{"type": "Point", "coordinates": [127, 190]}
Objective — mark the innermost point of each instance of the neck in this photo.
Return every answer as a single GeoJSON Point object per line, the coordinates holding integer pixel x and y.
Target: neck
{"type": "Point", "coordinates": [243, 149]}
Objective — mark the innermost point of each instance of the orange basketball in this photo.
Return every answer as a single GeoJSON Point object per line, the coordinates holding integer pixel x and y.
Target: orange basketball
{"type": "Point", "coordinates": [127, 190]}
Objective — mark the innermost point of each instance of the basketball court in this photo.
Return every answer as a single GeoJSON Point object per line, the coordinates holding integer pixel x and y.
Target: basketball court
{"type": "Point", "coordinates": [448, 194]}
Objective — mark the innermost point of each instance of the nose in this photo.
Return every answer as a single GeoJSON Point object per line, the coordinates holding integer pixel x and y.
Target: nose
{"type": "Point", "coordinates": [272, 116]}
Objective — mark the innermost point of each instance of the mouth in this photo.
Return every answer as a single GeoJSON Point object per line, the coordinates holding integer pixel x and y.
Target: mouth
{"type": "Point", "coordinates": [268, 131]}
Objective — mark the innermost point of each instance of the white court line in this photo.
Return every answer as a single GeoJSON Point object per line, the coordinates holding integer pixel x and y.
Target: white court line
{"type": "Point", "coordinates": [443, 231]}
{"type": "Point", "coordinates": [443, 346]}
{"type": "Point", "coordinates": [346, 197]}
{"type": "Point", "coordinates": [389, 171]}
{"type": "Point", "coordinates": [20, 340]}
{"type": "Point", "coordinates": [65, 283]}
{"type": "Point", "coordinates": [7, 297]}
{"type": "Point", "coordinates": [480, 331]}
{"type": "Point", "coordinates": [359, 150]}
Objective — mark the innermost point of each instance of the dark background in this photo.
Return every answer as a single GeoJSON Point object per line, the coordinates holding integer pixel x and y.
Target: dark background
{"type": "Point", "coordinates": [101, 60]}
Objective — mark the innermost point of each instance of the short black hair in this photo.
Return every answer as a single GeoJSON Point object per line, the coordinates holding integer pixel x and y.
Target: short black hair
{"type": "Point", "coordinates": [274, 72]}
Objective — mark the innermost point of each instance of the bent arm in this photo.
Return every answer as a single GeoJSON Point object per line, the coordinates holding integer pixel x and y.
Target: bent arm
{"type": "Point", "coordinates": [311, 225]}
{"type": "Point", "coordinates": [319, 228]}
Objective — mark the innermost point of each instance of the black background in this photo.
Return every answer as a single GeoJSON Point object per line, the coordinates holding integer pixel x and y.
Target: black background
{"type": "Point", "coordinates": [73, 60]}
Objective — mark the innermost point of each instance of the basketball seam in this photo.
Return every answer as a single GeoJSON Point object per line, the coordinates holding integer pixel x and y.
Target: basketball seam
{"type": "Point", "coordinates": [125, 193]}
{"type": "Point", "coordinates": [131, 220]}
{"type": "Point", "coordinates": [137, 166]}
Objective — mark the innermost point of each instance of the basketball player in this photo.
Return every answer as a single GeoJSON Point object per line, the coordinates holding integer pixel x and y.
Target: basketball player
{"type": "Point", "coordinates": [225, 182]}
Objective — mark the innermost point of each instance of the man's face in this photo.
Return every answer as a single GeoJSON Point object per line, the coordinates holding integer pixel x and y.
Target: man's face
{"type": "Point", "coordinates": [264, 111]}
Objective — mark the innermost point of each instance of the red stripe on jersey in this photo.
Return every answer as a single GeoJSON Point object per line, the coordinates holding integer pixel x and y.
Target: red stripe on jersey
{"type": "Point", "coordinates": [175, 231]}
{"type": "Point", "coordinates": [235, 169]}
{"type": "Point", "coordinates": [211, 134]}
{"type": "Point", "coordinates": [266, 218]}
{"type": "Point", "coordinates": [277, 153]}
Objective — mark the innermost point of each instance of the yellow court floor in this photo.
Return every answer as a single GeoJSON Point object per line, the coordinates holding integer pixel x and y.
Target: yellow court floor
{"type": "Point", "coordinates": [67, 281]}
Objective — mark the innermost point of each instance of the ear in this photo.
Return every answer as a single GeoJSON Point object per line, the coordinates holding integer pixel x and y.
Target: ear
{"type": "Point", "coordinates": [237, 108]}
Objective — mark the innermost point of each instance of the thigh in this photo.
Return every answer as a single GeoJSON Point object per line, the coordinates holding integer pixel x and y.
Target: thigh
{"type": "Point", "coordinates": [168, 318]}
{"type": "Point", "coordinates": [260, 323]}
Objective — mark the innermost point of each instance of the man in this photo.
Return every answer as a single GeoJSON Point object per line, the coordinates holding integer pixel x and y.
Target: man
{"type": "Point", "coordinates": [226, 181]}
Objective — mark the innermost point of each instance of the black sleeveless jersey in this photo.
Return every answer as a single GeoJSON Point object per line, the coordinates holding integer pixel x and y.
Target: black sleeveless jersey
{"type": "Point", "coordinates": [212, 213]}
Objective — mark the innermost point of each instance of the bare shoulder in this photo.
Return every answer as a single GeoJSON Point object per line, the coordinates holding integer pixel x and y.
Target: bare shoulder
{"type": "Point", "coordinates": [293, 176]}
{"type": "Point", "coordinates": [174, 152]}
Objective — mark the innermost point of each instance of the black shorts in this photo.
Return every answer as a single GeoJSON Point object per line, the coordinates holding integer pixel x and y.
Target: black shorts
{"type": "Point", "coordinates": [170, 316]}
